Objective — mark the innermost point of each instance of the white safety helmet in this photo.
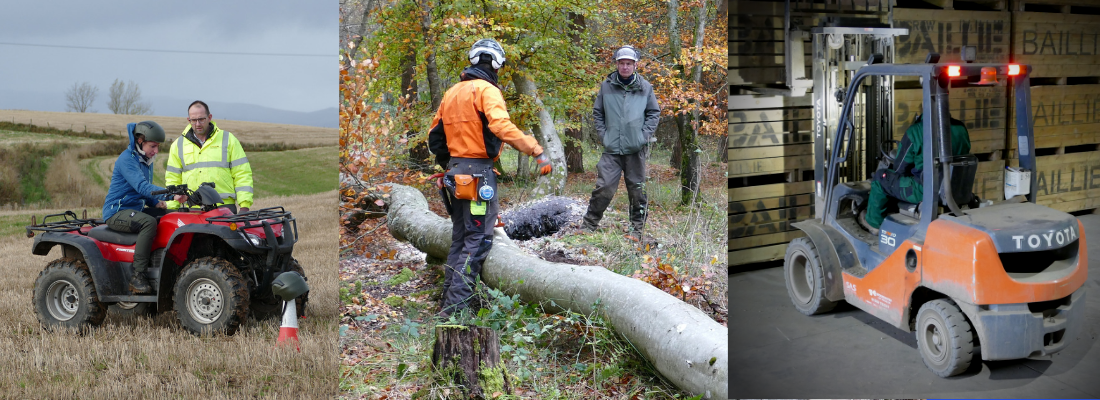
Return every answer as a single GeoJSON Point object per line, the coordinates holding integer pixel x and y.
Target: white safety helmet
{"type": "Point", "coordinates": [627, 52]}
{"type": "Point", "coordinates": [490, 47]}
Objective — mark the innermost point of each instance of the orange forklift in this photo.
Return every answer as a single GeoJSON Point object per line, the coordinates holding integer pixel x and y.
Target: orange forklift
{"type": "Point", "coordinates": [1003, 280]}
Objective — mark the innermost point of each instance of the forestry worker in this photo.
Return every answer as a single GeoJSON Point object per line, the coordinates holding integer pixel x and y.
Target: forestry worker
{"type": "Point", "coordinates": [467, 134]}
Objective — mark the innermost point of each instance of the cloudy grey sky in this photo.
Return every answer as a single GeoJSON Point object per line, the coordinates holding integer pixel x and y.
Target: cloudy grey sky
{"type": "Point", "coordinates": [303, 83]}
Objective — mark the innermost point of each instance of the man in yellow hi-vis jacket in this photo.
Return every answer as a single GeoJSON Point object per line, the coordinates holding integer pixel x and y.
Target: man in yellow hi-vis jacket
{"type": "Point", "coordinates": [205, 153]}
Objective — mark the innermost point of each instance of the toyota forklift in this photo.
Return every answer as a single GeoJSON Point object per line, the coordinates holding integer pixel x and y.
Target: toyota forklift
{"type": "Point", "coordinates": [1004, 280]}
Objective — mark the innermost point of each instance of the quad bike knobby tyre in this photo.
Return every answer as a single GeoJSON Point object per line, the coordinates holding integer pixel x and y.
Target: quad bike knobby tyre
{"type": "Point", "coordinates": [65, 297]}
{"type": "Point", "coordinates": [805, 278]}
{"type": "Point", "coordinates": [944, 337]}
{"type": "Point", "coordinates": [270, 306]}
{"type": "Point", "coordinates": [210, 296]}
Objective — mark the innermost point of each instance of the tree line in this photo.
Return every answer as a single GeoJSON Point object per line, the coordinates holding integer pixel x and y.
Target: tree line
{"type": "Point", "coordinates": [122, 98]}
{"type": "Point", "coordinates": [399, 56]}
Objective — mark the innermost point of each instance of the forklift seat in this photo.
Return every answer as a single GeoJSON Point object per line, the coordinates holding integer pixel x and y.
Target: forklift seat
{"type": "Point", "coordinates": [963, 170]}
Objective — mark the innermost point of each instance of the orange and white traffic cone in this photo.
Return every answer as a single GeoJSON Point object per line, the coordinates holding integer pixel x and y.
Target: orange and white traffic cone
{"type": "Point", "coordinates": [288, 332]}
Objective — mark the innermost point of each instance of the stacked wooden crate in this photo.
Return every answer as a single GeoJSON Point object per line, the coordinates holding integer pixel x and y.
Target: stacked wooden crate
{"type": "Point", "coordinates": [1061, 42]}
{"type": "Point", "coordinates": [756, 46]}
{"type": "Point", "coordinates": [771, 145]}
{"type": "Point", "coordinates": [770, 138]}
{"type": "Point", "coordinates": [947, 31]}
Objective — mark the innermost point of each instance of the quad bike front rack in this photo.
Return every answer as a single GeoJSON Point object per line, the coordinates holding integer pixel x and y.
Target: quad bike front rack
{"type": "Point", "coordinates": [264, 219]}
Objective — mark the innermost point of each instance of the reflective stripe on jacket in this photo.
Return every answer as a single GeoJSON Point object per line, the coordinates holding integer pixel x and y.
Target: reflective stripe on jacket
{"type": "Point", "coordinates": [220, 159]}
{"type": "Point", "coordinates": [473, 122]}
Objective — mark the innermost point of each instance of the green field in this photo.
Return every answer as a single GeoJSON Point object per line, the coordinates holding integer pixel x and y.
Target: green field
{"type": "Point", "coordinates": [59, 169]}
{"type": "Point", "coordinates": [274, 173]}
{"type": "Point", "coordinates": [10, 138]}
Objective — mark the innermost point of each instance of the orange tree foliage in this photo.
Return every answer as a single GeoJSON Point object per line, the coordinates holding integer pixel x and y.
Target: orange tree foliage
{"type": "Point", "coordinates": [536, 35]}
{"type": "Point", "coordinates": [367, 151]}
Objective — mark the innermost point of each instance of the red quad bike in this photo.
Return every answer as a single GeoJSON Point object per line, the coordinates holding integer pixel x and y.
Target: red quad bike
{"type": "Point", "coordinates": [211, 265]}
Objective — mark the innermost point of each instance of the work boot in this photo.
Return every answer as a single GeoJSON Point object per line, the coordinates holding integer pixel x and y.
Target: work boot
{"type": "Point", "coordinates": [863, 222]}
{"type": "Point", "coordinates": [588, 228]}
{"type": "Point", "coordinates": [139, 284]}
{"type": "Point", "coordinates": [443, 314]}
{"type": "Point", "coordinates": [641, 238]}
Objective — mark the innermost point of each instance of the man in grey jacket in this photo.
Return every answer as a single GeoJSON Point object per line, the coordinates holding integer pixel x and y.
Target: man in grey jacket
{"type": "Point", "coordinates": [626, 114]}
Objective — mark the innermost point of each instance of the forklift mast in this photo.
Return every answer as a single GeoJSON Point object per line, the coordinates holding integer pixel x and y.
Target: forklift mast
{"type": "Point", "coordinates": [838, 52]}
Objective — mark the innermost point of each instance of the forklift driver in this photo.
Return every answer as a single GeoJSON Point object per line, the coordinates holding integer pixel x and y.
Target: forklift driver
{"type": "Point", "coordinates": [902, 180]}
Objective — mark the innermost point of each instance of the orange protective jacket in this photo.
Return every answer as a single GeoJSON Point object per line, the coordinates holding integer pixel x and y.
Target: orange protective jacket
{"type": "Point", "coordinates": [472, 122]}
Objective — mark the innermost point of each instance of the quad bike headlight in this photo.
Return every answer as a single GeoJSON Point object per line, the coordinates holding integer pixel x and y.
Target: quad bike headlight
{"type": "Point", "coordinates": [256, 240]}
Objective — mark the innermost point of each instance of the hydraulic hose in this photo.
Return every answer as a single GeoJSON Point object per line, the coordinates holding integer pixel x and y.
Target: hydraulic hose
{"type": "Point", "coordinates": [948, 196]}
{"type": "Point", "coordinates": [943, 140]}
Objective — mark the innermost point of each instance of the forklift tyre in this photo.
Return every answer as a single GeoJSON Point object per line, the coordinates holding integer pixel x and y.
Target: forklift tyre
{"type": "Point", "coordinates": [805, 278]}
{"type": "Point", "coordinates": [944, 337]}
{"type": "Point", "coordinates": [127, 309]}
{"type": "Point", "coordinates": [210, 297]}
{"type": "Point", "coordinates": [65, 297]}
{"type": "Point", "coordinates": [269, 306]}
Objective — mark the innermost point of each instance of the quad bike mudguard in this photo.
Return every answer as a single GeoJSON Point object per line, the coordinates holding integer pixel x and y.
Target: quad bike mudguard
{"type": "Point", "coordinates": [110, 282]}
{"type": "Point", "coordinates": [273, 249]}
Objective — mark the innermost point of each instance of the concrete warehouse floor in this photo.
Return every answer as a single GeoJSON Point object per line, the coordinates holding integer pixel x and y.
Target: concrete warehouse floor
{"type": "Point", "coordinates": [777, 352]}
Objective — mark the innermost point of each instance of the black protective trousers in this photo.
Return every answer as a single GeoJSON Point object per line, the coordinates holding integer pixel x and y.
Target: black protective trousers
{"type": "Point", "coordinates": [471, 238]}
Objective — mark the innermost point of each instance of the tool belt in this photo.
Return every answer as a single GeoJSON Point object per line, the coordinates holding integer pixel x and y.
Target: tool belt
{"type": "Point", "coordinates": [471, 179]}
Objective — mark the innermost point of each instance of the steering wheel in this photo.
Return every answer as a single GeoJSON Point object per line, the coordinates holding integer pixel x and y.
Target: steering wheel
{"type": "Point", "coordinates": [888, 150]}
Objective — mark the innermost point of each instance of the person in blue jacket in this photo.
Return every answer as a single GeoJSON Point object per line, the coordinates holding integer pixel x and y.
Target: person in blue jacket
{"type": "Point", "coordinates": [130, 205]}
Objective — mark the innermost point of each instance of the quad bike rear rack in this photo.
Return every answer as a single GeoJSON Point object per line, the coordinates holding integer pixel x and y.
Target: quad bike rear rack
{"type": "Point", "coordinates": [68, 223]}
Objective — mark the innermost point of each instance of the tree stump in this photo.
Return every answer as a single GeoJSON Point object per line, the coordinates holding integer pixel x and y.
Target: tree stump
{"type": "Point", "coordinates": [470, 357]}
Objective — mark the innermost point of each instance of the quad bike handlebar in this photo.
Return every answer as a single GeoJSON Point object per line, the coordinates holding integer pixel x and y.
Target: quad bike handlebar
{"type": "Point", "coordinates": [205, 196]}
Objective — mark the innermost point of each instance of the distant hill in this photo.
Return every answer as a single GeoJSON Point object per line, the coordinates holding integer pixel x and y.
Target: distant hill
{"type": "Point", "coordinates": [168, 106]}
{"type": "Point", "coordinates": [259, 132]}
{"type": "Point", "coordinates": [327, 118]}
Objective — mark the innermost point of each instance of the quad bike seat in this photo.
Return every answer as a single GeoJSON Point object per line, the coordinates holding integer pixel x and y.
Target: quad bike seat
{"type": "Point", "coordinates": [105, 234]}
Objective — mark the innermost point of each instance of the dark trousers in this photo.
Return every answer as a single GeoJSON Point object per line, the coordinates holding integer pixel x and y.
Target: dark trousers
{"type": "Point", "coordinates": [145, 225]}
{"type": "Point", "coordinates": [888, 184]}
{"type": "Point", "coordinates": [632, 167]}
{"type": "Point", "coordinates": [471, 239]}
{"type": "Point", "coordinates": [472, 224]}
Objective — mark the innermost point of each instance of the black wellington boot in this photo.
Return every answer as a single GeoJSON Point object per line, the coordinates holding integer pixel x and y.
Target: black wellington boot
{"type": "Point", "coordinates": [139, 284]}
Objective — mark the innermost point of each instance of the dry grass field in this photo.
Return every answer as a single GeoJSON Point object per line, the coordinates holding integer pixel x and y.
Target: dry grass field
{"type": "Point", "coordinates": [116, 124]}
{"type": "Point", "coordinates": [156, 357]}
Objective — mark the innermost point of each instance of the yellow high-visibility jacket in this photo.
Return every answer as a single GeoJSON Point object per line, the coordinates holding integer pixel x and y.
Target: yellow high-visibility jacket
{"type": "Point", "coordinates": [220, 159]}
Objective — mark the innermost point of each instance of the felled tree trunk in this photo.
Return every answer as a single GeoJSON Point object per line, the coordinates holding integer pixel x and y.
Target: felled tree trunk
{"type": "Point", "coordinates": [470, 356]}
{"type": "Point", "coordinates": [687, 347]}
